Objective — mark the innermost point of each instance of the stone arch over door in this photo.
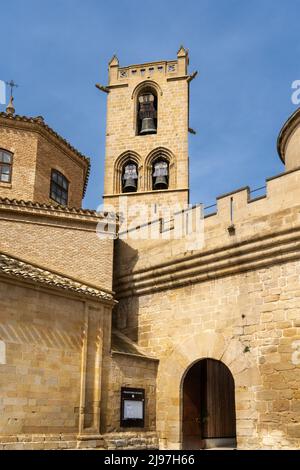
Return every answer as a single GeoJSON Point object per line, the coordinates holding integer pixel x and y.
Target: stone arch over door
{"type": "Point", "coordinates": [174, 366]}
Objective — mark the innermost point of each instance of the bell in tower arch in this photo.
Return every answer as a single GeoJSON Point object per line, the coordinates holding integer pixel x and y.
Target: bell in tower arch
{"type": "Point", "coordinates": [160, 175]}
{"type": "Point", "coordinates": [147, 114]}
{"type": "Point", "coordinates": [130, 178]}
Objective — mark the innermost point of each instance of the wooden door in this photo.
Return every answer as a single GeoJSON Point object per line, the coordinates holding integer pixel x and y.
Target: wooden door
{"type": "Point", "coordinates": [191, 424]}
{"type": "Point", "coordinates": [217, 386]}
{"type": "Point", "coordinates": [208, 404]}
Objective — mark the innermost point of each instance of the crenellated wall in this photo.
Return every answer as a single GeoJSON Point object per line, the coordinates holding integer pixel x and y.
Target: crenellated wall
{"type": "Point", "coordinates": [238, 222]}
{"type": "Point", "coordinates": [236, 300]}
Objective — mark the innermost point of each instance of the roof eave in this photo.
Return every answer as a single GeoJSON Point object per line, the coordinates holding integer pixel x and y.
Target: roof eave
{"type": "Point", "coordinates": [285, 132]}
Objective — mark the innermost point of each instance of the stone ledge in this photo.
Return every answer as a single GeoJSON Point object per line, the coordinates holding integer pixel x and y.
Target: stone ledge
{"type": "Point", "coordinates": [132, 441]}
{"type": "Point", "coordinates": [113, 441]}
{"type": "Point", "coordinates": [244, 256]}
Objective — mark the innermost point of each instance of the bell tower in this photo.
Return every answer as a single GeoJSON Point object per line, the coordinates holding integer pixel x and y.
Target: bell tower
{"type": "Point", "coordinates": [147, 133]}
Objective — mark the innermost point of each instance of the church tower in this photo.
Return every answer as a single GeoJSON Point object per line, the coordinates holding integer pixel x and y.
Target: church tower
{"type": "Point", "coordinates": [147, 133]}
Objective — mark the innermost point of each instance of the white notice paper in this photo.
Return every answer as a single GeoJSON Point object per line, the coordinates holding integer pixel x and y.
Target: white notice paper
{"type": "Point", "coordinates": [133, 409]}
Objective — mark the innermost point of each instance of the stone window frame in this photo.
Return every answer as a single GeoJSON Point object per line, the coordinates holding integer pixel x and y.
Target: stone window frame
{"type": "Point", "coordinates": [160, 158]}
{"type": "Point", "coordinates": [59, 186]}
{"type": "Point", "coordinates": [145, 87]}
{"type": "Point", "coordinates": [129, 161]}
{"type": "Point", "coordinates": [122, 160]}
{"type": "Point", "coordinates": [166, 155]}
{"type": "Point", "coordinates": [10, 165]}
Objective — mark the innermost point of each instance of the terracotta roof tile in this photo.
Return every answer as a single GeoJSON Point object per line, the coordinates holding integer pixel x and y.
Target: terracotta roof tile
{"type": "Point", "coordinates": [58, 208]}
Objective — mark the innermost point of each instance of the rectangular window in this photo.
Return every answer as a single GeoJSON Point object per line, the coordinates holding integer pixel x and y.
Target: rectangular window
{"type": "Point", "coordinates": [59, 188]}
{"type": "Point", "coordinates": [5, 166]}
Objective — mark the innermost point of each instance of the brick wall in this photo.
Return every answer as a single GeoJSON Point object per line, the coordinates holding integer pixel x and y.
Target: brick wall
{"type": "Point", "coordinates": [51, 157]}
{"type": "Point", "coordinates": [63, 243]}
{"type": "Point", "coordinates": [35, 152]}
{"type": "Point", "coordinates": [23, 145]}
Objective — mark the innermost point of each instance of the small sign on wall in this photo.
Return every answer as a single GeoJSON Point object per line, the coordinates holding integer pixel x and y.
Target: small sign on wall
{"type": "Point", "coordinates": [132, 407]}
{"type": "Point", "coordinates": [2, 353]}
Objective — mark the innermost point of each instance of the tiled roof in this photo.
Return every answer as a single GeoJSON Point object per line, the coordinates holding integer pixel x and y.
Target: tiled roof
{"type": "Point", "coordinates": [121, 344]}
{"type": "Point", "coordinates": [39, 121]}
{"type": "Point", "coordinates": [16, 268]}
{"type": "Point", "coordinates": [57, 208]}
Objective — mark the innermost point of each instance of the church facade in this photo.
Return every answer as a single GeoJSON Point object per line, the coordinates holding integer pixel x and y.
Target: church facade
{"type": "Point", "coordinates": [153, 324]}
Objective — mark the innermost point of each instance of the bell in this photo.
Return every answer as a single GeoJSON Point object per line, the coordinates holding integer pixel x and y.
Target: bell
{"type": "Point", "coordinates": [148, 126]}
{"type": "Point", "coordinates": [130, 178]}
{"type": "Point", "coordinates": [161, 182]}
{"type": "Point", "coordinates": [147, 114]}
{"type": "Point", "coordinates": [130, 186]}
{"type": "Point", "coordinates": [160, 175]}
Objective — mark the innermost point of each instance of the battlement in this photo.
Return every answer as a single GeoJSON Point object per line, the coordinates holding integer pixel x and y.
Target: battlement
{"type": "Point", "coordinates": [170, 69]}
{"type": "Point", "coordinates": [239, 218]}
{"type": "Point", "coordinates": [148, 70]}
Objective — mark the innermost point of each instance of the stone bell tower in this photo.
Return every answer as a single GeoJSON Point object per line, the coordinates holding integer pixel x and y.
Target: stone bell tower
{"type": "Point", "coordinates": [147, 133]}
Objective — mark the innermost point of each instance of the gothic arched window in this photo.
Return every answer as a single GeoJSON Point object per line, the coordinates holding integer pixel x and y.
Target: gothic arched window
{"type": "Point", "coordinates": [147, 111]}
{"type": "Point", "coordinates": [160, 174]}
{"type": "Point", "coordinates": [59, 188]}
{"type": "Point", "coordinates": [129, 177]}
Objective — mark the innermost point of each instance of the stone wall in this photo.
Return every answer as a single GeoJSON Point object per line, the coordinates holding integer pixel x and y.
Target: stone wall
{"type": "Point", "coordinates": [253, 218]}
{"type": "Point", "coordinates": [169, 80]}
{"type": "Point", "coordinates": [60, 384]}
{"type": "Point", "coordinates": [234, 300]}
{"type": "Point", "coordinates": [40, 391]}
{"type": "Point", "coordinates": [122, 370]}
{"type": "Point", "coordinates": [53, 345]}
{"type": "Point", "coordinates": [251, 323]}
{"type": "Point", "coordinates": [131, 441]}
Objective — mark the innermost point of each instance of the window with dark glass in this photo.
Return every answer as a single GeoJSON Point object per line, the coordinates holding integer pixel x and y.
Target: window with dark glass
{"type": "Point", "coordinates": [59, 188]}
{"type": "Point", "coordinates": [5, 166]}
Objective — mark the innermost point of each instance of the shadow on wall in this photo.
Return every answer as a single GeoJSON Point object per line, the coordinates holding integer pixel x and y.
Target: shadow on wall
{"type": "Point", "coordinates": [125, 259]}
{"type": "Point", "coordinates": [125, 315]}
{"type": "Point", "coordinates": [41, 336]}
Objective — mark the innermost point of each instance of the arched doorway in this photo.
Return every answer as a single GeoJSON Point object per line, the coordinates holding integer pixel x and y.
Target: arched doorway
{"type": "Point", "coordinates": [208, 417]}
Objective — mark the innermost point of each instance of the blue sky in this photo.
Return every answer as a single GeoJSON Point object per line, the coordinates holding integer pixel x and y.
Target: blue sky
{"type": "Point", "coordinates": [247, 55]}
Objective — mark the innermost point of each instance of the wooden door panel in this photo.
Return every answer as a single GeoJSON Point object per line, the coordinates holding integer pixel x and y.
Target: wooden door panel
{"type": "Point", "coordinates": [220, 401]}
{"type": "Point", "coordinates": [208, 404]}
{"type": "Point", "coordinates": [191, 426]}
